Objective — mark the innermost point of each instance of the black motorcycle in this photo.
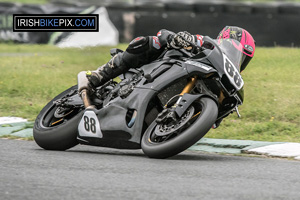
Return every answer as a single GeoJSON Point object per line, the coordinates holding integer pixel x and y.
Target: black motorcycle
{"type": "Point", "coordinates": [163, 107]}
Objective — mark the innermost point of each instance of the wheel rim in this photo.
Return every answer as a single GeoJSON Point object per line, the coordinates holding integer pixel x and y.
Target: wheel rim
{"type": "Point", "coordinates": [49, 120]}
{"type": "Point", "coordinates": [57, 114]}
{"type": "Point", "coordinates": [162, 133]}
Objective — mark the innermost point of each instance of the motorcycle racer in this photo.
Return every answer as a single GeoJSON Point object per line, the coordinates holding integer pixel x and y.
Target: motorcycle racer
{"type": "Point", "coordinates": [143, 50]}
{"type": "Point", "coordinates": [163, 107]}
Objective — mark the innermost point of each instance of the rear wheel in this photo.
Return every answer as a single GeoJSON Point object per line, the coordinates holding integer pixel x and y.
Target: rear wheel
{"type": "Point", "coordinates": [168, 139]}
{"type": "Point", "coordinates": [55, 127]}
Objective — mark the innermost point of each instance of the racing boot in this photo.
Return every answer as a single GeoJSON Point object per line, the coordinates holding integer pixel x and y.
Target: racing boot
{"type": "Point", "coordinates": [112, 69]}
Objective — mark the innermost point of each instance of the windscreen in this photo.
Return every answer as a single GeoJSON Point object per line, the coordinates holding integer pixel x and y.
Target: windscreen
{"type": "Point", "coordinates": [233, 50]}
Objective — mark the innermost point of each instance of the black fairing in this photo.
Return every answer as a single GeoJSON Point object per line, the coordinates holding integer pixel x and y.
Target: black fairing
{"type": "Point", "coordinates": [213, 56]}
{"type": "Point", "coordinates": [174, 66]}
{"type": "Point", "coordinates": [112, 117]}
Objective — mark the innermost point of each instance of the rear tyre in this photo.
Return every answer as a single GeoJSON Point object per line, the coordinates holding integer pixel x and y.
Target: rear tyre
{"type": "Point", "coordinates": [155, 147]}
{"type": "Point", "coordinates": [53, 133]}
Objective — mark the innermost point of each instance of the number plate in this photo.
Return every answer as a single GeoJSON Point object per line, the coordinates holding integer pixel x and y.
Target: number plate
{"type": "Point", "coordinates": [232, 73]}
{"type": "Point", "coordinates": [89, 125]}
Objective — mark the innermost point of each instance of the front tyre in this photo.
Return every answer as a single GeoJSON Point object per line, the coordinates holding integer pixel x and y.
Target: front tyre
{"type": "Point", "coordinates": [54, 131]}
{"type": "Point", "coordinates": [195, 129]}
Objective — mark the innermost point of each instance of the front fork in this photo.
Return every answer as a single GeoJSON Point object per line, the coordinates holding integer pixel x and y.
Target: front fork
{"type": "Point", "coordinates": [187, 89]}
{"type": "Point", "coordinates": [169, 114]}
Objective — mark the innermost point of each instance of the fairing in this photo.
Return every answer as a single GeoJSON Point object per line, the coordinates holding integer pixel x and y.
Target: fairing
{"type": "Point", "coordinates": [116, 129]}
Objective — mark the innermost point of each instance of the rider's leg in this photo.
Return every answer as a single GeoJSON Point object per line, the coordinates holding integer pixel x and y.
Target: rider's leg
{"type": "Point", "coordinates": [140, 51]}
{"type": "Point", "coordinates": [113, 68]}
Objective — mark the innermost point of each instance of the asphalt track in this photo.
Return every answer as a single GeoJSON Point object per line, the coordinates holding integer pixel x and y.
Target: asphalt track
{"type": "Point", "coordinates": [28, 172]}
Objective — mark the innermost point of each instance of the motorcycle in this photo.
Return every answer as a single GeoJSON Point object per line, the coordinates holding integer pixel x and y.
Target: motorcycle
{"type": "Point", "coordinates": [163, 107]}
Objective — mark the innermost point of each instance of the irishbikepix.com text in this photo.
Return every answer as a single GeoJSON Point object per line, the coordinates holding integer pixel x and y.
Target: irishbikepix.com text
{"type": "Point", "coordinates": [66, 23]}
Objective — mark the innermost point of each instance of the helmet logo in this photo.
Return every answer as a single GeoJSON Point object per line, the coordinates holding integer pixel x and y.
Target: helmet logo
{"type": "Point", "coordinates": [248, 47]}
{"type": "Point", "coordinates": [226, 34]}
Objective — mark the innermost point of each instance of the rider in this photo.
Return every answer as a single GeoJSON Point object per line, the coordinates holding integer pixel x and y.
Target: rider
{"type": "Point", "coordinates": [143, 50]}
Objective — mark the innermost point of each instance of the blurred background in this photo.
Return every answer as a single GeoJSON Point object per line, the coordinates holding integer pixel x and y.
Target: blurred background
{"type": "Point", "coordinates": [272, 23]}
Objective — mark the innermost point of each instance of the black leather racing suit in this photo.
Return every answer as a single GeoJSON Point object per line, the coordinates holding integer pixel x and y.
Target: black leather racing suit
{"type": "Point", "coordinates": [140, 51]}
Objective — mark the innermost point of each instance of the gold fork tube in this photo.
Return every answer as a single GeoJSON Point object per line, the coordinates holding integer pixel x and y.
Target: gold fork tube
{"type": "Point", "coordinates": [189, 86]}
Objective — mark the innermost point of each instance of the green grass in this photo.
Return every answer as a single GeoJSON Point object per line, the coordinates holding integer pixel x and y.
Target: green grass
{"type": "Point", "coordinates": [271, 109]}
{"type": "Point", "coordinates": [31, 75]}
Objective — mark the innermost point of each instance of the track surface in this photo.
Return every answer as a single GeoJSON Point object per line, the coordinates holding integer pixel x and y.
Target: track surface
{"type": "Point", "coordinates": [28, 172]}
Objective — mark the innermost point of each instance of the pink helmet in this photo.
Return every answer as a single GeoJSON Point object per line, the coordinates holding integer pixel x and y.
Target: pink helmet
{"type": "Point", "coordinates": [246, 40]}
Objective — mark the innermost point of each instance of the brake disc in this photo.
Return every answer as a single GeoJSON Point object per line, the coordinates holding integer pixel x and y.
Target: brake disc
{"type": "Point", "coordinates": [166, 129]}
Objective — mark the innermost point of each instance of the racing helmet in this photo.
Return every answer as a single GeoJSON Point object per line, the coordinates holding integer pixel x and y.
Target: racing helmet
{"type": "Point", "coordinates": [246, 40]}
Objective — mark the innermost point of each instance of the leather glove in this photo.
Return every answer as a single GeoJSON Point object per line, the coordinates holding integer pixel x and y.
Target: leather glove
{"type": "Point", "coordinates": [182, 40]}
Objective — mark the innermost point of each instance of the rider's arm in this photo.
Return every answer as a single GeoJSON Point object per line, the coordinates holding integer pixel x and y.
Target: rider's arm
{"type": "Point", "coordinates": [143, 50]}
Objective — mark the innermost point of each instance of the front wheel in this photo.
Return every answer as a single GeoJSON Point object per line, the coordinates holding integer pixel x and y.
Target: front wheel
{"type": "Point", "coordinates": [163, 140]}
{"type": "Point", "coordinates": [55, 127]}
